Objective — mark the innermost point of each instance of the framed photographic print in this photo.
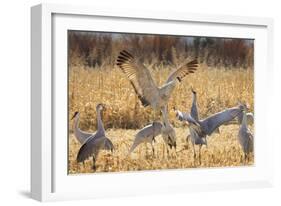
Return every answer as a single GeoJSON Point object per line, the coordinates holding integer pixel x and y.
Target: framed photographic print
{"type": "Point", "coordinates": [137, 102]}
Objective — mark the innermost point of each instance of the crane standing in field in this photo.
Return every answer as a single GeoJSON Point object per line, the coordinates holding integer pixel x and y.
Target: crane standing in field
{"type": "Point", "coordinates": [149, 132]}
{"type": "Point", "coordinates": [147, 135]}
{"type": "Point", "coordinates": [245, 138]}
{"type": "Point", "coordinates": [193, 113]}
{"type": "Point", "coordinates": [82, 136]}
{"type": "Point", "coordinates": [143, 84]}
{"type": "Point", "coordinates": [96, 142]}
{"type": "Point", "coordinates": [201, 128]}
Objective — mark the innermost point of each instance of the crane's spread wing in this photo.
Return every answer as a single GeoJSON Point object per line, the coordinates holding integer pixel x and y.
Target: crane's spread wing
{"type": "Point", "coordinates": [214, 121]}
{"type": "Point", "coordinates": [139, 77]}
{"type": "Point", "coordinates": [108, 144]}
{"type": "Point", "coordinates": [82, 136]}
{"type": "Point", "coordinates": [184, 70]}
{"type": "Point", "coordinates": [186, 117]}
{"type": "Point", "coordinates": [182, 116]}
{"type": "Point", "coordinates": [92, 146]}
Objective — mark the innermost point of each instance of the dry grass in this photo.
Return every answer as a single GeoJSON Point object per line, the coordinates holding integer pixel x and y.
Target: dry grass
{"type": "Point", "coordinates": [216, 88]}
{"type": "Point", "coordinates": [223, 151]}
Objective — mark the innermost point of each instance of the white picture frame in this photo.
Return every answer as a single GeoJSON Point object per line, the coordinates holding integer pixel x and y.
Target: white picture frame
{"type": "Point", "coordinates": [49, 179]}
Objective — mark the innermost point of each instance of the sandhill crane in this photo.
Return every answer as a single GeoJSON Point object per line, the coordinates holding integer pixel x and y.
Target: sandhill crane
{"type": "Point", "coordinates": [193, 112]}
{"type": "Point", "coordinates": [143, 84]}
{"type": "Point", "coordinates": [82, 136]}
{"type": "Point", "coordinates": [96, 142]}
{"type": "Point", "coordinates": [149, 132]}
{"type": "Point", "coordinates": [147, 135]}
{"type": "Point", "coordinates": [245, 138]}
{"type": "Point", "coordinates": [201, 128]}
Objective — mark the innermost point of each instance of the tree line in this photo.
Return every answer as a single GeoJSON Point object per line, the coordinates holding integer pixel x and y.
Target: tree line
{"type": "Point", "coordinates": [92, 49]}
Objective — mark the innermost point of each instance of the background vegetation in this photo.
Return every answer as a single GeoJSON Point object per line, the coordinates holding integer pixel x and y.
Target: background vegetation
{"type": "Point", "coordinates": [92, 49]}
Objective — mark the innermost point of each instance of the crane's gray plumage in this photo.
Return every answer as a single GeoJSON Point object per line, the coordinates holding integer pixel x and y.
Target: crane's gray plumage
{"type": "Point", "coordinates": [149, 132]}
{"type": "Point", "coordinates": [210, 124]}
{"type": "Point", "coordinates": [245, 137]}
{"type": "Point", "coordinates": [194, 116]}
{"type": "Point", "coordinates": [80, 135]}
{"type": "Point", "coordinates": [194, 110]}
{"type": "Point", "coordinates": [250, 118]}
{"type": "Point", "coordinates": [168, 132]}
{"type": "Point", "coordinates": [91, 148]}
{"type": "Point", "coordinates": [182, 116]}
{"type": "Point", "coordinates": [96, 142]}
{"type": "Point", "coordinates": [143, 84]}
{"type": "Point", "coordinates": [201, 128]}
{"type": "Point", "coordinates": [147, 135]}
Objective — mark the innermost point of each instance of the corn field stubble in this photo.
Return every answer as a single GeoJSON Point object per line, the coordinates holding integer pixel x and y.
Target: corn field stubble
{"type": "Point", "coordinates": [216, 89]}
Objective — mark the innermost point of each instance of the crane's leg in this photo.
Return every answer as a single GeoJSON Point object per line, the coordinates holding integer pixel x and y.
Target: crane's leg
{"type": "Point", "coordinates": [187, 141]}
{"type": "Point", "coordinates": [77, 166]}
{"type": "Point", "coordinates": [163, 151]}
{"type": "Point", "coordinates": [152, 149]}
{"type": "Point", "coordinates": [146, 150]}
{"type": "Point", "coordinates": [168, 153]}
{"type": "Point", "coordinates": [84, 165]}
{"type": "Point", "coordinates": [175, 152]}
{"type": "Point", "coordinates": [245, 158]}
{"type": "Point", "coordinates": [200, 153]}
{"type": "Point", "coordinates": [194, 153]}
{"type": "Point", "coordinates": [94, 163]}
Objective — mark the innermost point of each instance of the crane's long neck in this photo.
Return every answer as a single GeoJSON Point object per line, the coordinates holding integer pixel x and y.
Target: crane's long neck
{"type": "Point", "coordinates": [165, 116]}
{"type": "Point", "coordinates": [76, 123]}
{"type": "Point", "coordinates": [99, 121]}
{"type": "Point", "coordinates": [244, 120]}
{"type": "Point", "coordinates": [194, 99]}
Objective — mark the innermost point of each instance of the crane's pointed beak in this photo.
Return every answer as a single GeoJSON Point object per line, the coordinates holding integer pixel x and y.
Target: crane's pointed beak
{"type": "Point", "coordinates": [192, 90]}
{"type": "Point", "coordinates": [74, 115]}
